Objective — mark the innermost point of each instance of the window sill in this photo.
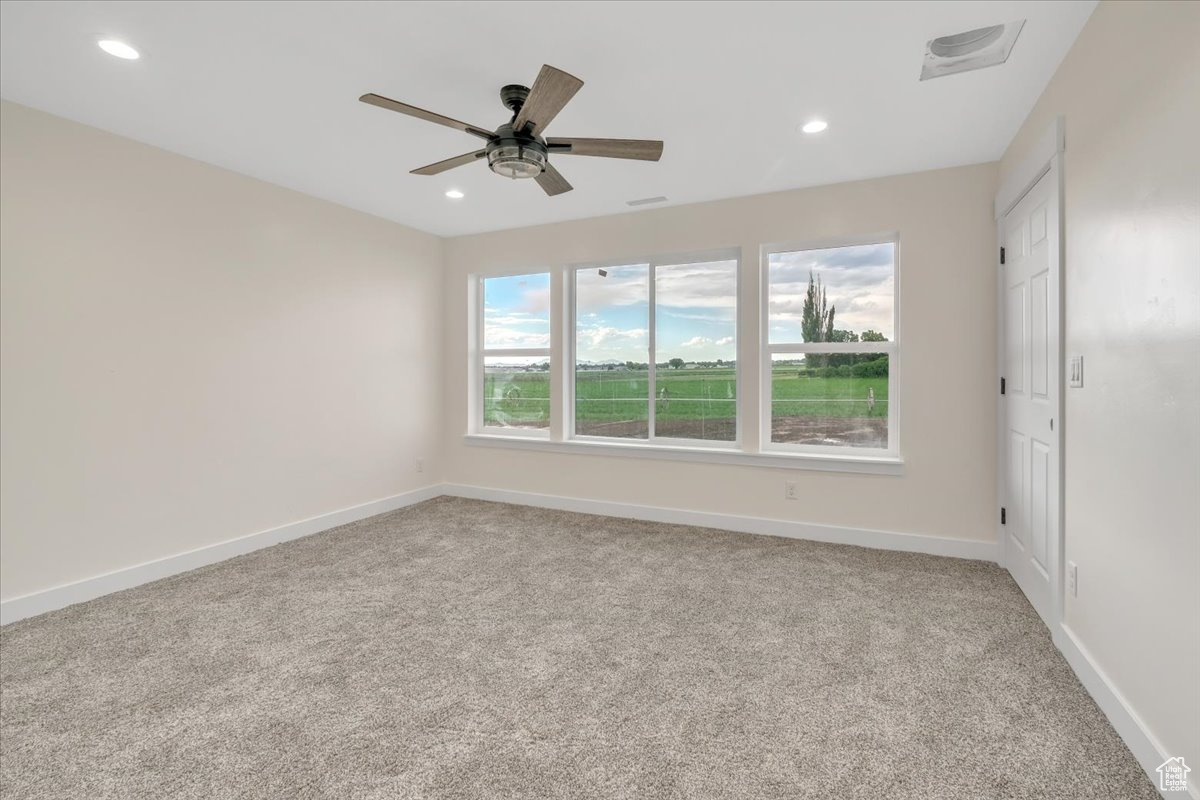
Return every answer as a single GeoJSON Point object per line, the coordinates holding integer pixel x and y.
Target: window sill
{"type": "Point", "coordinates": [867, 465]}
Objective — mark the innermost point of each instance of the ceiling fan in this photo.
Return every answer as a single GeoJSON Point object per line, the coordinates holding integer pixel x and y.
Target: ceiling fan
{"type": "Point", "coordinates": [516, 149]}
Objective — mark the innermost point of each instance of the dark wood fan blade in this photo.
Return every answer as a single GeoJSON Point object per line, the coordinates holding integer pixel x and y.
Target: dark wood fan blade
{"type": "Point", "coordinates": [450, 163]}
{"type": "Point", "coordinates": [552, 182]}
{"type": "Point", "coordinates": [428, 116]}
{"type": "Point", "coordinates": [640, 149]}
{"type": "Point", "coordinates": [550, 92]}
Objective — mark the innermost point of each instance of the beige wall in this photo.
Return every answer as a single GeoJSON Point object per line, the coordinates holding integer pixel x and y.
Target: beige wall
{"type": "Point", "coordinates": [1130, 93]}
{"type": "Point", "coordinates": [190, 355]}
{"type": "Point", "coordinates": [947, 386]}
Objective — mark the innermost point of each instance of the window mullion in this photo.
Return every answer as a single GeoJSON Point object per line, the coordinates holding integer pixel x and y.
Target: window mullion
{"type": "Point", "coordinates": [653, 340]}
{"type": "Point", "coordinates": [479, 373]}
{"type": "Point", "coordinates": [560, 318]}
{"type": "Point", "coordinates": [572, 347]}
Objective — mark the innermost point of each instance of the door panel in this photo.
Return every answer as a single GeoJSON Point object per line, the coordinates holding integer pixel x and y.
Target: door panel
{"type": "Point", "coordinates": [1037, 225]}
{"type": "Point", "coordinates": [1039, 357]}
{"type": "Point", "coordinates": [1015, 377]}
{"type": "Point", "coordinates": [1039, 508]}
{"type": "Point", "coordinates": [1031, 361]}
{"type": "Point", "coordinates": [1016, 487]}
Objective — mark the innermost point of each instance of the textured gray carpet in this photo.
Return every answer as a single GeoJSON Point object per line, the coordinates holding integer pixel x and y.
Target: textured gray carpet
{"type": "Point", "coordinates": [463, 649]}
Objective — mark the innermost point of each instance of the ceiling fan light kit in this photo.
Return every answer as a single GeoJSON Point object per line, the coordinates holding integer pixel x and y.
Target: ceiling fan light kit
{"type": "Point", "coordinates": [515, 156]}
{"type": "Point", "coordinates": [516, 149]}
{"type": "Point", "coordinates": [517, 160]}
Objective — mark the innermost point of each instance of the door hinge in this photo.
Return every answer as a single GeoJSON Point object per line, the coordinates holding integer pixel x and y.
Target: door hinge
{"type": "Point", "coordinates": [1001, 255]}
{"type": "Point", "coordinates": [1003, 516]}
{"type": "Point", "coordinates": [1002, 386]}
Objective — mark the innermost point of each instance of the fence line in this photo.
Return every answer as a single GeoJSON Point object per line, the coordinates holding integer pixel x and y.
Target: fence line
{"type": "Point", "coordinates": [513, 400]}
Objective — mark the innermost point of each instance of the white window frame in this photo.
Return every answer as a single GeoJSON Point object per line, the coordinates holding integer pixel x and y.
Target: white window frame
{"type": "Point", "coordinates": [733, 254]}
{"type": "Point", "coordinates": [750, 447]}
{"type": "Point", "coordinates": [478, 381]}
{"type": "Point", "coordinates": [767, 350]}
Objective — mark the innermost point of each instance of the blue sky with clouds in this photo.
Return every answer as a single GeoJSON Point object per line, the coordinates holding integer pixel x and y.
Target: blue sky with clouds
{"type": "Point", "coordinates": [859, 283]}
{"type": "Point", "coordinates": [695, 315]}
{"type": "Point", "coordinates": [696, 304]}
{"type": "Point", "coordinates": [516, 311]}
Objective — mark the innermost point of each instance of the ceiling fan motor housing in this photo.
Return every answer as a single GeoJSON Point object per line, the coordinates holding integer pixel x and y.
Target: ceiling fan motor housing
{"type": "Point", "coordinates": [516, 155]}
{"type": "Point", "coordinates": [513, 96]}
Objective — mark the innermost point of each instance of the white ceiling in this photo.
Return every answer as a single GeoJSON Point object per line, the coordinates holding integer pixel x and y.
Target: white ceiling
{"type": "Point", "coordinates": [270, 89]}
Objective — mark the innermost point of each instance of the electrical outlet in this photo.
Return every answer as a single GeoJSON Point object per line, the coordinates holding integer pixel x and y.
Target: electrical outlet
{"type": "Point", "coordinates": [789, 490]}
{"type": "Point", "coordinates": [1075, 372]}
{"type": "Point", "coordinates": [420, 465]}
{"type": "Point", "coordinates": [1072, 579]}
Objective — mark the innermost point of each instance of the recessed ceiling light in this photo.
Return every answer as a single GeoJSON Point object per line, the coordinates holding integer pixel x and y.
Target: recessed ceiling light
{"type": "Point", "coordinates": [118, 49]}
{"type": "Point", "coordinates": [455, 194]}
{"type": "Point", "coordinates": [815, 126]}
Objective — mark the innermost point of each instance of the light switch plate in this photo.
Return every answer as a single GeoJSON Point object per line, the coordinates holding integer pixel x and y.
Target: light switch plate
{"type": "Point", "coordinates": [1075, 372]}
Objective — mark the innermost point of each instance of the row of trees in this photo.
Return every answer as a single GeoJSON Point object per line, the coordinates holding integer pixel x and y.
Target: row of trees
{"type": "Point", "coordinates": [817, 317]}
{"type": "Point", "coordinates": [865, 365]}
{"type": "Point", "coordinates": [676, 363]}
{"type": "Point", "coordinates": [816, 325]}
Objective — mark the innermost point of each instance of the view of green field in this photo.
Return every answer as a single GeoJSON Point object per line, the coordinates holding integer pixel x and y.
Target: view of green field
{"type": "Point", "coordinates": [699, 403]}
{"type": "Point", "coordinates": [689, 403]}
{"type": "Point", "coordinates": [515, 398]}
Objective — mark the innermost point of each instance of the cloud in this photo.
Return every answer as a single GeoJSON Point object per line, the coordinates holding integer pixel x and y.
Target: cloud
{"type": "Point", "coordinates": [859, 282]}
{"type": "Point", "coordinates": [535, 301]}
{"type": "Point", "coordinates": [507, 337]}
{"type": "Point", "coordinates": [512, 294]}
{"type": "Point", "coordinates": [703, 341]}
{"type": "Point", "coordinates": [852, 258]}
{"type": "Point", "coordinates": [624, 286]}
{"type": "Point", "coordinates": [601, 336]}
{"type": "Point", "coordinates": [515, 329]}
{"type": "Point", "coordinates": [711, 285]}
{"type": "Point", "coordinates": [516, 318]}
{"type": "Point", "coordinates": [708, 285]}
{"type": "Point", "coordinates": [715, 317]}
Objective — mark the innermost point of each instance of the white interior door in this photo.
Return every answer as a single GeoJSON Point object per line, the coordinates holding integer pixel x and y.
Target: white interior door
{"type": "Point", "coordinates": [1030, 404]}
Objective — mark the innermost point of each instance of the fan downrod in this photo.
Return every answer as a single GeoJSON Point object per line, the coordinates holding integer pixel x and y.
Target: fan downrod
{"type": "Point", "coordinates": [513, 96]}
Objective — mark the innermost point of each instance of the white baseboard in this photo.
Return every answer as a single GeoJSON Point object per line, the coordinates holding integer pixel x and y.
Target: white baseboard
{"type": "Point", "coordinates": [1145, 747]}
{"type": "Point", "coordinates": [883, 540]}
{"type": "Point", "coordinates": [57, 597]}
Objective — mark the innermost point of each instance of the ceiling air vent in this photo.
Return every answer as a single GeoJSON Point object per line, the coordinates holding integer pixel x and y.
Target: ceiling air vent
{"type": "Point", "coordinates": [645, 201]}
{"type": "Point", "coordinates": [963, 52]}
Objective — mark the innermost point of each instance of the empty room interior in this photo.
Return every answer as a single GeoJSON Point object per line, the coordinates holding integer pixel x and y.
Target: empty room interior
{"type": "Point", "coordinates": [747, 400]}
